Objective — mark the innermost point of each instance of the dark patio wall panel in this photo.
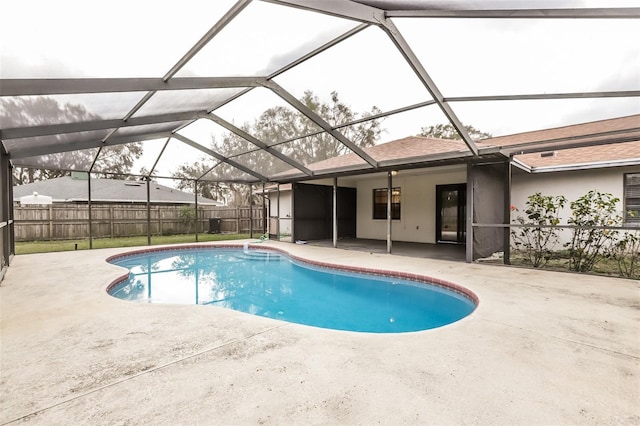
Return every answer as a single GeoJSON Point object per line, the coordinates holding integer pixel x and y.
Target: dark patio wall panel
{"type": "Point", "coordinates": [313, 212]}
{"type": "Point", "coordinates": [347, 212]}
{"type": "Point", "coordinates": [488, 183]}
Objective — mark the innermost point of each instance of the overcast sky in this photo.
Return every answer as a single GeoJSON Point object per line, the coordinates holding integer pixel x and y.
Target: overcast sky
{"type": "Point", "coordinates": [464, 57]}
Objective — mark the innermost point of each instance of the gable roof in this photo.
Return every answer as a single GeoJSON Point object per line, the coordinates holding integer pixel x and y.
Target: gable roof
{"type": "Point", "coordinates": [613, 142]}
{"type": "Point", "coordinates": [414, 148]}
{"type": "Point", "coordinates": [620, 154]}
{"type": "Point", "coordinates": [68, 189]}
{"type": "Point", "coordinates": [608, 143]}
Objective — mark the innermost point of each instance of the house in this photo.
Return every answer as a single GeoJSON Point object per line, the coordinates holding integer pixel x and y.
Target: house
{"type": "Point", "coordinates": [74, 189]}
{"type": "Point", "coordinates": [435, 201]}
{"type": "Point", "coordinates": [118, 209]}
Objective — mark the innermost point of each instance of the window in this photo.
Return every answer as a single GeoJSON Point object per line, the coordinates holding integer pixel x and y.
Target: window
{"type": "Point", "coordinates": [380, 203]}
{"type": "Point", "coordinates": [632, 199]}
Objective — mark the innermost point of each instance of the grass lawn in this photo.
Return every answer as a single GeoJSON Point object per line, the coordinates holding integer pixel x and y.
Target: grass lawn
{"type": "Point", "coordinates": [68, 245]}
{"type": "Point", "coordinates": [560, 262]}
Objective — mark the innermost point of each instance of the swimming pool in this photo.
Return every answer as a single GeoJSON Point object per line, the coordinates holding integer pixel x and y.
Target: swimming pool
{"type": "Point", "coordinates": [272, 284]}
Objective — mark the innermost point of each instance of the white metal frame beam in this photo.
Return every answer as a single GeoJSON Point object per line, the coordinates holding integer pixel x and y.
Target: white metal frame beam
{"type": "Point", "coordinates": [213, 31]}
{"type": "Point", "coordinates": [546, 96]}
{"type": "Point", "coordinates": [18, 153]}
{"type": "Point", "coordinates": [87, 126]}
{"type": "Point", "coordinates": [260, 144]}
{"type": "Point", "coordinates": [573, 13]}
{"type": "Point", "coordinates": [219, 157]}
{"type": "Point", "coordinates": [74, 86]}
{"type": "Point", "coordinates": [401, 44]}
{"type": "Point", "coordinates": [341, 8]}
{"type": "Point", "coordinates": [289, 98]}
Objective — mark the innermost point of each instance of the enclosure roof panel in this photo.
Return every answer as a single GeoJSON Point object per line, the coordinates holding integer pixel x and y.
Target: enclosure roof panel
{"type": "Point", "coordinates": [78, 78]}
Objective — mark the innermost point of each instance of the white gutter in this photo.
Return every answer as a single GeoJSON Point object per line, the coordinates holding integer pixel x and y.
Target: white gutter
{"type": "Point", "coordinates": [519, 164]}
{"type": "Point", "coordinates": [584, 166]}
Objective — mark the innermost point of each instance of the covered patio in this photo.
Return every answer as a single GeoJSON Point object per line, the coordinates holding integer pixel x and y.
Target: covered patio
{"type": "Point", "coordinates": [452, 252]}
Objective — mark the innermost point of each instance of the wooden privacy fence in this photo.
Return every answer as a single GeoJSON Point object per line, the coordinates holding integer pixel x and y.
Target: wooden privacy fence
{"type": "Point", "coordinates": [71, 221]}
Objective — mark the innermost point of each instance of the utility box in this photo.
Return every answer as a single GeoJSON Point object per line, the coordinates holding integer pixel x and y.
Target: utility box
{"type": "Point", "coordinates": [214, 225]}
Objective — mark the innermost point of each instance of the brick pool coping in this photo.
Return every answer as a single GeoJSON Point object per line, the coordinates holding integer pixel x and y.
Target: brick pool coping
{"type": "Point", "coordinates": [424, 279]}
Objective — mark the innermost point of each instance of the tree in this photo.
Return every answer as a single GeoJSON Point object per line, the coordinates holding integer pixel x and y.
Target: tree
{"type": "Point", "coordinates": [280, 124]}
{"type": "Point", "coordinates": [38, 111]}
{"type": "Point", "coordinates": [447, 131]}
{"type": "Point", "coordinates": [273, 126]}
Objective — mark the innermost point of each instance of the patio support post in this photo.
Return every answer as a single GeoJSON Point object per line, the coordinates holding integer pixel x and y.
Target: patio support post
{"type": "Point", "coordinates": [506, 258]}
{"type": "Point", "coordinates": [195, 191]}
{"type": "Point", "coordinates": [250, 211]}
{"type": "Point", "coordinates": [148, 210]}
{"type": "Point", "coordinates": [335, 212]}
{"type": "Point", "coordinates": [293, 213]}
{"type": "Point", "coordinates": [278, 212]}
{"type": "Point", "coordinates": [6, 204]}
{"type": "Point", "coordinates": [470, 208]}
{"type": "Point", "coordinates": [9, 200]}
{"type": "Point", "coordinates": [389, 194]}
{"type": "Point", "coordinates": [89, 207]}
{"type": "Point", "coordinates": [265, 215]}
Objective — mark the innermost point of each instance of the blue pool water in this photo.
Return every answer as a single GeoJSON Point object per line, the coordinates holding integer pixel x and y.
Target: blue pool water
{"type": "Point", "coordinates": [273, 285]}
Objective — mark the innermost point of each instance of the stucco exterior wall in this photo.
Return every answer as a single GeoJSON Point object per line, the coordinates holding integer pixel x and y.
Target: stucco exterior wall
{"type": "Point", "coordinates": [571, 184]}
{"type": "Point", "coordinates": [284, 213]}
{"type": "Point", "coordinates": [418, 204]}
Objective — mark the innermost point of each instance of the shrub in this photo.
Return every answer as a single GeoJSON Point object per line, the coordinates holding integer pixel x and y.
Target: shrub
{"type": "Point", "coordinates": [626, 253]}
{"type": "Point", "coordinates": [537, 242]}
{"type": "Point", "coordinates": [188, 217]}
{"type": "Point", "coordinates": [590, 241]}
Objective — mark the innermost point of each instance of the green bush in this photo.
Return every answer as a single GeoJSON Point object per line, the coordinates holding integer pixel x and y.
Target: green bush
{"type": "Point", "coordinates": [590, 241]}
{"type": "Point", "coordinates": [537, 242]}
{"type": "Point", "coordinates": [626, 253]}
{"type": "Point", "coordinates": [188, 217]}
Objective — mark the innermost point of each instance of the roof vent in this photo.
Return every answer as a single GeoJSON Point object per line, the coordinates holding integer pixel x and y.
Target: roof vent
{"type": "Point", "coordinates": [548, 154]}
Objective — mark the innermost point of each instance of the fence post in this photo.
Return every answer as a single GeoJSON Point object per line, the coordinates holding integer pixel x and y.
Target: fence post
{"type": "Point", "coordinates": [238, 211]}
{"type": "Point", "coordinates": [111, 221]}
{"type": "Point", "coordinates": [50, 222]}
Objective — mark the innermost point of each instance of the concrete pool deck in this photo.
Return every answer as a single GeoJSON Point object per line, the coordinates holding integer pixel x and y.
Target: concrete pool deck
{"type": "Point", "coordinates": [541, 348]}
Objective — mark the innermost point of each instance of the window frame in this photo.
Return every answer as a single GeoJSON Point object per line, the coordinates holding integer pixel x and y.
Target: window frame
{"type": "Point", "coordinates": [396, 207]}
{"type": "Point", "coordinates": [625, 200]}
